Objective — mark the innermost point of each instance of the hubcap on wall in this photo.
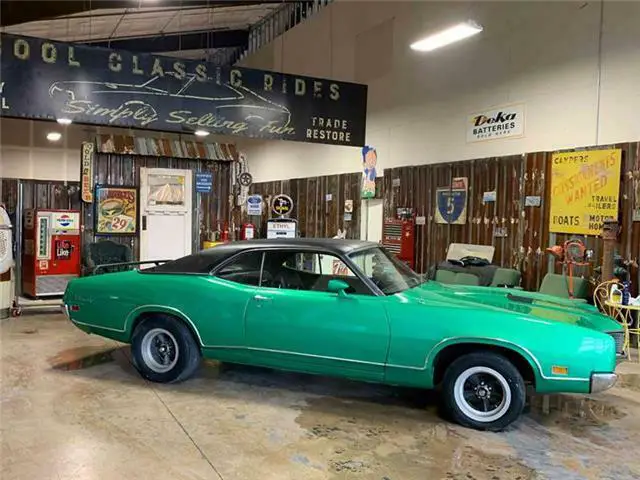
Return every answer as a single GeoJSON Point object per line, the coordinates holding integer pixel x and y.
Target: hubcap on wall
{"type": "Point", "coordinates": [159, 350]}
{"type": "Point", "coordinates": [482, 394]}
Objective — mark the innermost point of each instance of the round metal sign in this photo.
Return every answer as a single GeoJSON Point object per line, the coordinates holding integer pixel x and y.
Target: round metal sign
{"type": "Point", "coordinates": [245, 179]}
{"type": "Point", "coordinates": [282, 204]}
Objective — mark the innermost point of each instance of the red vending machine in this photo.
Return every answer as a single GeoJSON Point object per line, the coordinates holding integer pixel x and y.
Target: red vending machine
{"type": "Point", "coordinates": [51, 251]}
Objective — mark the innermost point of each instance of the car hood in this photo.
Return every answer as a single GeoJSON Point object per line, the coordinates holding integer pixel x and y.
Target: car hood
{"type": "Point", "coordinates": [529, 306]}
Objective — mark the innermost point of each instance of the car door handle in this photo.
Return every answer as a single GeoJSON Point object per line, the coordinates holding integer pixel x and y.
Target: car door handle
{"type": "Point", "coordinates": [261, 298]}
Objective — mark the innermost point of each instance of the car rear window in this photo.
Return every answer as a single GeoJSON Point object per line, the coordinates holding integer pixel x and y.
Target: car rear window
{"type": "Point", "coordinates": [199, 263]}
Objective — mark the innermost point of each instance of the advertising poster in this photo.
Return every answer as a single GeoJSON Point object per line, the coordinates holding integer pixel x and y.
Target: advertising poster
{"type": "Point", "coordinates": [451, 202]}
{"type": "Point", "coordinates": [585, 190]}
{"type": "Point", "coordinates": [369, 163]}
{"type": "Point", "coordinates": [116, 210]}
{"type": "Point", "coordinates": [86, 173]}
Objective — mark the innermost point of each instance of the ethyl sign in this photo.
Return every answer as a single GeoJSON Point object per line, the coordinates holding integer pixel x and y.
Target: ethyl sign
{"type": "Point", "coordinates": [42, 79]}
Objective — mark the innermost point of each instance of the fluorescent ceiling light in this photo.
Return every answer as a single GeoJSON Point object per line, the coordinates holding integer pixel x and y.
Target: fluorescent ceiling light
{"type": "Point", "coordinates": [201, 133]}
{"type": "Point", "coordinates": [446, 37]}
{"type": "Point", "coordinates": [64, 121]}
{"type": "Point", "coordinates": [54, 136]}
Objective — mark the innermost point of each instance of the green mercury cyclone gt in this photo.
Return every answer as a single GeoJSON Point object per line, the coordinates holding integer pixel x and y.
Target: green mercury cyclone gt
{"type": "Point", "coordinates": [348, 308]}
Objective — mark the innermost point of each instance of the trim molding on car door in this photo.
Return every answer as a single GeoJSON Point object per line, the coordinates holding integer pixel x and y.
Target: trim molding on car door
{"type": "Point", "coordinates": [494, 341]}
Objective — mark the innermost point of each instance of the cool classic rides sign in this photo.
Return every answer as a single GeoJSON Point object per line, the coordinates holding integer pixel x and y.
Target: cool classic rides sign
{"type": "Point", "coordinates": [41, 79]}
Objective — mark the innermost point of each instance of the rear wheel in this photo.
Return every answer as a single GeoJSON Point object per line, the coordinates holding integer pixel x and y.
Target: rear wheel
{"type": "Point", "coordinates": [164, 350]}
{"type": "Point", "coordinates": [484, 391]}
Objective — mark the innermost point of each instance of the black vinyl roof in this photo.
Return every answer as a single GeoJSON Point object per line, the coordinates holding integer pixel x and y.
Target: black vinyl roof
{"type": "Point", "coordinates": [206, 260]}
{"type": "Point", "coordinates": [334, 245]}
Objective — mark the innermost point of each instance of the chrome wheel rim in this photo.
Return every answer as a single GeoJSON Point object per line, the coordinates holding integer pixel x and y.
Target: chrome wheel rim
{"type": "Point", "coordinates": [482, 394]}
{"type": "Point", "coordinates": [160, 350]}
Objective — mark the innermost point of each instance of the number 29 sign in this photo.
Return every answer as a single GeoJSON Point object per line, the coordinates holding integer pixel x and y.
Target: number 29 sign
{"type": "Point", "coordinates": [116, 210]}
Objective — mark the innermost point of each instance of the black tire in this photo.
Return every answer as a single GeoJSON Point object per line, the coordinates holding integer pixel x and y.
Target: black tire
{"type": "Point", "coordinates": [473, 377]}
{"type": "Point", "coordinates": [170, 333]}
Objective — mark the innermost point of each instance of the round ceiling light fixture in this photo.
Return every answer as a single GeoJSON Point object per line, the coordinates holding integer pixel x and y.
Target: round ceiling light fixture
{"type": "Point", "coordinates": [54, 136]}
{"type": "Point", "coordinates": [64, 121]}
{"type": "Point", "coordinates": [201, 133]}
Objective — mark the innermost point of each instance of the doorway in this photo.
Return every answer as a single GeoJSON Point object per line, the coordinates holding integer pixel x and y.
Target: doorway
{"type": "Point", "coordinates": [165, 213]}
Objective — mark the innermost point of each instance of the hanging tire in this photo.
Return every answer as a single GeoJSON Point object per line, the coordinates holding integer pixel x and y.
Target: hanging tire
{"type": "Point", "coordinates": [483, 391]}
{"type": "Point", "coordinates": [164, 350]}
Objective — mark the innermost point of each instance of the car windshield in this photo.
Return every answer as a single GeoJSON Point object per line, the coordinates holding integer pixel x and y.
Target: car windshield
{"type": "Point", "coordinates": [388, 273]}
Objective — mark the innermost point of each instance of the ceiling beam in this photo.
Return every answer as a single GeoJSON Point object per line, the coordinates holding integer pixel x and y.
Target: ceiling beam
{"type": "Point", "coordinates": [178, 41]}
{"type": "Point", "coordinates": [14, 12]}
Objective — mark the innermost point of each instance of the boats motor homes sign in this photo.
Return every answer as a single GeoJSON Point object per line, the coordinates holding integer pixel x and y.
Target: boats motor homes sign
{"type": "Point", "coordinates": [42, 79]}
{"type": "Point", "coordinates": [504, 122]}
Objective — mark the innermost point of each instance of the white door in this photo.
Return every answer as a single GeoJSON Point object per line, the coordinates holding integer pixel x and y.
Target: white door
{"type": "Point", "coordinates": [371, 226]}
{"type": "Point", "coordinates": [165, 213]}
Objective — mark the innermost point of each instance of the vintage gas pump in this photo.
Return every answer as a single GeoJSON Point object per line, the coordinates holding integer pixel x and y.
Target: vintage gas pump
{"type": "Point", "coordinates": [51, 251]}
{"type": "Point", "coordinates": [248, 231]}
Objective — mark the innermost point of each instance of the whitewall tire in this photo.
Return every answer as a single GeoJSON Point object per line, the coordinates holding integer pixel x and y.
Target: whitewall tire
{"type": "Point", "coordinates": [484, 391]}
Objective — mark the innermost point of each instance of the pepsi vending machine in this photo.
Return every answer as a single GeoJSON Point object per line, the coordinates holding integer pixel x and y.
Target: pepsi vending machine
{"type": "Point", "coordinates": [51, 251]}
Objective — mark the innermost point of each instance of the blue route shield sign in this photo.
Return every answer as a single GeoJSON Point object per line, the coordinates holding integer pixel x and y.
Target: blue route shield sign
{"type": "Point", "coordinates": [452, 203]}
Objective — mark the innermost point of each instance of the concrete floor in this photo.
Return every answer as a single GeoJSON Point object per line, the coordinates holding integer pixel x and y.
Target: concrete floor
{"type": "Point", "coordinates": [72, 407]}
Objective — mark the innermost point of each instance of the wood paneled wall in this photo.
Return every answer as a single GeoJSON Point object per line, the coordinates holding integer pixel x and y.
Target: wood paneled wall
{"type": "Point", "coordinates": [318, 203]}
{"type": "Point", "coordinates": [124, 170]}
{"type": "Point", "coordinates": [40, 194]}
{"type": "Point", "coordinates": [527, 228]}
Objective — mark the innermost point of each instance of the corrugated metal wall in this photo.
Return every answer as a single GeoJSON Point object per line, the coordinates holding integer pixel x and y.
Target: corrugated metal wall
{"type": "Point", "coordinates": [124, 170]}
{"type": "Point", "coordinates": [318, 203]}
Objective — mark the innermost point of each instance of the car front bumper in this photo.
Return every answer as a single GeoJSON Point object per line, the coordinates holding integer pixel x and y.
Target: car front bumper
{"type": "Point", "coordinates": [602, 381]}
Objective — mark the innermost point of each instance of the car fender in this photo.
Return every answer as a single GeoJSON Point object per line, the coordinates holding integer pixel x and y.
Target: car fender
{"type": "Point", "coordinates": [497, 342]}
{"type": "Point", "coordinates": [137, 312]}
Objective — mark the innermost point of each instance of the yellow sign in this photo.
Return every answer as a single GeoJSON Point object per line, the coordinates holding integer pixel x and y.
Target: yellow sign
{"type": "Point", "coordinates": [585, 188]}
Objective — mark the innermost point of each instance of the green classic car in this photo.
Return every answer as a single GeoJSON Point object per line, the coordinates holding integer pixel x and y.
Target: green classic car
{"type": "Point", "coordinates": [349, 308]}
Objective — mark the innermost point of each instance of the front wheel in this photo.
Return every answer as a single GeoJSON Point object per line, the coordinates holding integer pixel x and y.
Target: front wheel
{"type": "Point", "coordinates": [164, 350]}
{"type": "Point", "coordinates": [484, 391]}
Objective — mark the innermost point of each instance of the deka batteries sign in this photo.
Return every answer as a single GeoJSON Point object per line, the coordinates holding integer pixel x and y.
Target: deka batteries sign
{"type": "Point", "coordinates": [504, 122]}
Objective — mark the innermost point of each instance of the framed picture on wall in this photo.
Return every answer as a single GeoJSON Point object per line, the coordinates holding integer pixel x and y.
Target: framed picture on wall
{"type": "Point", "coordinates": [116, 210]}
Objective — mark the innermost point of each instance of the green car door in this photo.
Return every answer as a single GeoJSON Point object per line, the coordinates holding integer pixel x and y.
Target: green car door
{"type": "Point", "coordinates": [295, 322]}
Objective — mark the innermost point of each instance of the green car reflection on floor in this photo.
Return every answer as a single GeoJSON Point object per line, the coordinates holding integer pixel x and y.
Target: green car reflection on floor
{"type": "Point", "coordinates": [348, 308]}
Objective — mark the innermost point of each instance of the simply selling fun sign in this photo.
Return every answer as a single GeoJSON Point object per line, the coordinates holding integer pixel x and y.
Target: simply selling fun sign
{"type": "Point", "coordinates": [42, 79]}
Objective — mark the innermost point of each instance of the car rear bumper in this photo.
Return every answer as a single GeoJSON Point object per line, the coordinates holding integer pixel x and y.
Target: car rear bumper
{"type": "Point", "coordinates": [602, 381]}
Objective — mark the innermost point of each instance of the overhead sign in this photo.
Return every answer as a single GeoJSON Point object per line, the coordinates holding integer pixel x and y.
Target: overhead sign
{"type": "Point", "coordinates": [42, 79]}
{"type": "Point", "coordinates": [585, 190]}
{"type": "Point", "coordinates": [254, 205]}
{"type": "Point", "coordinates": [282, 205]}
{"type": "Point", "coordinates": [504, 122]}
{"type": "Point", "coordinates": [204, 182]}
{"type": "Point", "coordinates": [451, 202]}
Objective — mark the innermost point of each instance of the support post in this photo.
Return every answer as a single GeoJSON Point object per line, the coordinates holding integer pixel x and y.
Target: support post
{"type": "Point", "coordinates": [610, 238]}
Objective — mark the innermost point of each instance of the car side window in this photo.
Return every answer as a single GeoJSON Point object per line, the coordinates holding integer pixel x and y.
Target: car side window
{"type": "Point", "coordinates": [244, 269]}
{"type": "Point", "coordinates": [310, 271]}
